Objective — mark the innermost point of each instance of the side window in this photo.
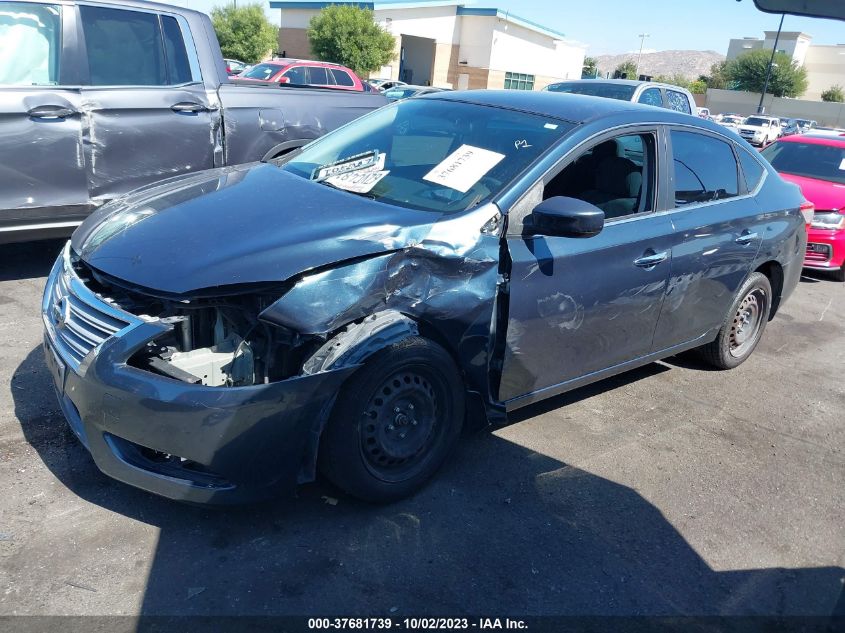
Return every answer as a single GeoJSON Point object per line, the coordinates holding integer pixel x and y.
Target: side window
{"type": "Point", "coordinates": [297, 75]}
{"type": "Point", "coordinates": [30, 44]}
{"type": "Point", "coordinates": [704, 169]}
{"type": "Point", "coordinates": [751, 168]}
{"type": "Point", "coordinates": [678, 101]}
{"type": "Point", "coordinates": [616, 175]}
{"type": "Point", "coordinates": [124, 47]}
{"type": "Point", "coordinates": [318, 76]}
{"type": "Point", "coordinates": [178, 66]}
{"type": "Point", "coordinates": [651, 97]}
{"type": "Point", "coordinates": [342, 77]}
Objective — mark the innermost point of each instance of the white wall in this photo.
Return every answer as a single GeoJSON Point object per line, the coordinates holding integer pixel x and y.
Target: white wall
{"type": "Point", "coordinates": [520, 50]}
{"type": "Point", "coordinates": [829, 114]}
{"type": "Point", "coordinates": [737, 47]}
{"type": "Point", "coordinates": [825, 67]}
{"type": "Point", "coordinates": [295, 18]}
{"type": "Point", "coordinates": [437, 23]}
{"type": "Point", "coordinates": [476, 37]}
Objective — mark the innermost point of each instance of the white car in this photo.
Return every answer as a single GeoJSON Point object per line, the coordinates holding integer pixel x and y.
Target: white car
{"type": "Point", "coordinates": [760, 130]}
{"type": "Point", "coordinates": [731, 122]}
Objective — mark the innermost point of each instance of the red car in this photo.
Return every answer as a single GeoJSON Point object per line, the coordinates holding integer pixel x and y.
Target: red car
{"type": "Point", "coordinates": [817, 165]}
{"type": "Point", "coordinates": [305, 73]}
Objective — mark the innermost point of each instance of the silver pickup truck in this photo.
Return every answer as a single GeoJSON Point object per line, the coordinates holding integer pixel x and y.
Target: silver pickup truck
{"type": "Point", "coordinates": [97, 99]}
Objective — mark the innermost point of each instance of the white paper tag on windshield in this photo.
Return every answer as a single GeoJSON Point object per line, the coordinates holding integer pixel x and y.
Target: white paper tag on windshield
{"type": "Point", "coordinates": [842, 164]}
{"type": "Point", "coordinates": [464, 167]}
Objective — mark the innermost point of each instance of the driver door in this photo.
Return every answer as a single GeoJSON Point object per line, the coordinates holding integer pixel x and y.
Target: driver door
{"type": "Point", "coordinates": [579, 306]}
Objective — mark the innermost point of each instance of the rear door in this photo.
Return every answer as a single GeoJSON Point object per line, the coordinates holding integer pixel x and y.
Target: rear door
{"type": "Point", "coordinates": [147, 112]}
{"type": "Point", "coordinates": [718, 229]}
{"type": "Point", "coordinates": [42, 167]}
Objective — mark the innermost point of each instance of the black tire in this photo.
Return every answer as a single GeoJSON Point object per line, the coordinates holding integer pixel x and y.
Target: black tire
{"type": "Point", "coordinates": [743, 326]}
{"type": "Point", "coordinates": [394, 423]}
{"type": "Point", "coordinates": [839, 275]}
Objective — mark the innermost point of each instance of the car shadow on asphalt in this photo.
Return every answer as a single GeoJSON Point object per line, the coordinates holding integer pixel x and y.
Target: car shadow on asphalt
{"type": "Point", "coordinates": [28, 260]}
{"type": "Point", "coordinates": [501, 530]}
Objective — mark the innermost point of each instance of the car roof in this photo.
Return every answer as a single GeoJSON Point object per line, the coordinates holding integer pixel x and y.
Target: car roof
{"type": "Point", "coordinates": [622, 82]}
{"type": "Point", "coordinates": [569, 107]}
{"type": "Point", "coordinates": [415, 87]}
{"type": "Point", "coordinates": [816, 139]}
{"type": "Point", "coordinates": [312, 62]}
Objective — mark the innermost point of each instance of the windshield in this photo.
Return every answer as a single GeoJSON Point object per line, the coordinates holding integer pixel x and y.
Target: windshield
{"type": "Point", "coordinates": [262, 71]}
{"type": "Point", "coordinates": [757, 121]}
{"type": "Point", "coordinates": [623, 92]}
{"type": "Point", "coordinates": [428, 154]}
{"type": "Point", "coordinates": [811, 160]}
{"type": "Point", "coordinates": [400, 93]}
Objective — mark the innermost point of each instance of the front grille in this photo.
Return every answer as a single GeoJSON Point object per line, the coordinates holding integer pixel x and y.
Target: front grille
{"type": "Point", "coordinates": [819, 253]}
{"type": "Point", "coordinates": [78, 325]}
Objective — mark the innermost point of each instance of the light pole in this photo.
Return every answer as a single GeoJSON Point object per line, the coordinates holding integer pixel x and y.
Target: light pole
{"type": "Point", "coordinates": [760, 108]}
{"type": "Point", "coordinates": [642, 37]}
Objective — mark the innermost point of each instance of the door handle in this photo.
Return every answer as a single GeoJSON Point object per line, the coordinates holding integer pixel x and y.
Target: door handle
{"type": "Point", "coordinates": [51, 112]}
{"type": "Point", "coordinates": [189, 106]}
{"type": "Point", "coordinates": [649, 261]}
{"type": "Point", "coordinates": [746, 238]}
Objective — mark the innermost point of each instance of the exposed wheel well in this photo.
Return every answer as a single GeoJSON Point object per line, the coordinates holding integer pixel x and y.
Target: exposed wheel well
{"type": "Point", "coordinates": [774, 271]}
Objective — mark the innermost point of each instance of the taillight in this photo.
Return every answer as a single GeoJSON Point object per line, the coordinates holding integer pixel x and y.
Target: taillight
{"type": "Point", "coordinates": [807, 210]}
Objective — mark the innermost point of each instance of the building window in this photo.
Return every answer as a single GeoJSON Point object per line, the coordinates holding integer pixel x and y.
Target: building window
{"type": "Point", "coordinates": [519, 81]}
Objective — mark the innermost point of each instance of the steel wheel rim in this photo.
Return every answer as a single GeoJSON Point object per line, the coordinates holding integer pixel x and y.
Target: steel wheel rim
{"type": "Point", "coordinates": [747, 323]}
{"type": "Point", "coordinates": [401, 424]}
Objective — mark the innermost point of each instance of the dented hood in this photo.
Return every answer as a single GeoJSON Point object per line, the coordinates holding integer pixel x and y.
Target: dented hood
{"type": "Point", "coordinates": [246, 224]}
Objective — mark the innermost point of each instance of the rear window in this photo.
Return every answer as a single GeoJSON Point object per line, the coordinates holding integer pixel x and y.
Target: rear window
{"type": "Point", "coordinates": [704, 169]}
{"type": "Point", "coordinates": [811, 160]}
{"type": "Point", "coordinates": [318, 76]}
{"type": "Point", "coordinates": [30, 43]}
{"type": "Point", "coordinates": [678, 101]}
{"type": "Point", "coordinates": [178, 66]}
{"type": "Point", "coordinates": [342, 78]}
{"type": "Point", "coordinates": [124, 47]}
{"type": "Point", "coordinates": [751, 168]}
{"type": "Point", "coordinates": [262, 71]}
{"type": "Point", "coordinates": [623, 92]}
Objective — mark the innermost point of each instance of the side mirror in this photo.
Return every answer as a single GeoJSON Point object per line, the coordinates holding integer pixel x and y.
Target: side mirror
{"type": "Point", "coordinates": [564, 217]}
{"type": "Point", "coordinates": [284, 80]}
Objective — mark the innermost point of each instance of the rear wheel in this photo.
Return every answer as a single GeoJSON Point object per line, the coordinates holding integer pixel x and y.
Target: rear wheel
{"type": "Point", "coordinates": [394, 422]}
{"type": "Point", "coordinates": [744, 325]}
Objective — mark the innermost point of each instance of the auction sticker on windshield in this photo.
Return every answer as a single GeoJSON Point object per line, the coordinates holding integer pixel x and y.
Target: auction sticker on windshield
{"type": "Point", "coordinates": [464, 167]}
{"type": "Point", "coordinates": [361, 180]}
{"type": "Point", "coordinates": [353, 163]}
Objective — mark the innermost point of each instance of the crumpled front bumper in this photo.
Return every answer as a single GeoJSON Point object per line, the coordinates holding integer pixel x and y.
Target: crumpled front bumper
{"type": "Point", "coordinates": [182, 441]}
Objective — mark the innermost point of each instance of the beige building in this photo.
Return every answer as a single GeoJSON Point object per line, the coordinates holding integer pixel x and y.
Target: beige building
{"type": "Point", "coordinates": [825, 65]}
{"type": "Point", "coordinates": [446, 44]}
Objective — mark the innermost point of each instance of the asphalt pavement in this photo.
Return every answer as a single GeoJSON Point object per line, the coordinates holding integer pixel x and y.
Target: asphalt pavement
{"type": "Point", "coordinates": [669, 490]}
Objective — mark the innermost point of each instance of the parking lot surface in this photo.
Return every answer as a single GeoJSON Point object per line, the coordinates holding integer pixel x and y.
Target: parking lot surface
{"type": "Point", "coordinates": [672, 489]}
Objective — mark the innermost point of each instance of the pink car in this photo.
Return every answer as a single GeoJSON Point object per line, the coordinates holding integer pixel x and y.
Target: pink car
{"type": "Point", "coordinates": [817, 165]}
{"type": "Point", "coordinates": [305, 73]}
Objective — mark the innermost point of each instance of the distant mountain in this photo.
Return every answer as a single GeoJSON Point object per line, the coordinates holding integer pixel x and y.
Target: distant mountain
{"type": "Point", "coordinates": [690, 64]}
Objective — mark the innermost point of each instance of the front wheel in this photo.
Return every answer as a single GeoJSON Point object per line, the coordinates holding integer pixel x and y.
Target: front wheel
{"type": "Point", "coordinates": [744, 325]}
{"type": "Point", "coordinates": [394, 422]}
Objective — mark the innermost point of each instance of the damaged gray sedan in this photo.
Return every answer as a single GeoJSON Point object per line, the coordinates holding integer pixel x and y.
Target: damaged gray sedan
{"type": "Point", "coordinates": [224, 336]}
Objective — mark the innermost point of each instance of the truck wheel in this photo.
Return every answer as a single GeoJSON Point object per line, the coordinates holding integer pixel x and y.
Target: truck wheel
{"type": "Point", "coordinates": [839, 275]}
{"type": "Point", "coordinates": [744, 325]}
{"type": "Point", "coordinates": [394, 423]}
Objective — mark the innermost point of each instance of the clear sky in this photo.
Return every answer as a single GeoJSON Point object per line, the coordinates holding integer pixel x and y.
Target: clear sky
{"type": "Point", "coordinates": [612, 26]}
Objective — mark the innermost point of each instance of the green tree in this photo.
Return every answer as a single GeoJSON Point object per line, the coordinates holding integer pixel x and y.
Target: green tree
{"type": "Point", "coordinates": [346, 34]}
{"type": "Point", "coordinates": [626, 70]}
{"type": "Point", "coordinates": [834, 93]}
{"type": "Point", "coordinates": [674, 80]}
{"type": "Point", "coordinates": [590, 68]}
{"type": "Point", "coordinates": [717, 77]}
{"type": "Point", "coordinates": [697, 87]}
{"type": "Point", "coordinates": [748, 72]}
{"type": "Point", "coordinates": [244, 32]}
